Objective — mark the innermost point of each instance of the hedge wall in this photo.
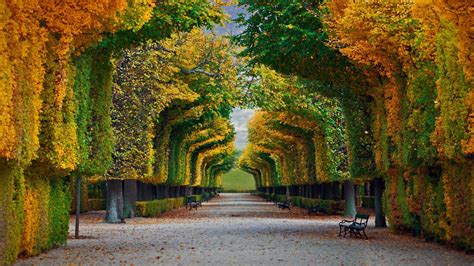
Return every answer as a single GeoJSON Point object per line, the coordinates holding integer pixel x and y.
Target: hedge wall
{"type": "Point", "coordinates": [154, 208]}
{"type": "Point", "coordinates": [34, 212]}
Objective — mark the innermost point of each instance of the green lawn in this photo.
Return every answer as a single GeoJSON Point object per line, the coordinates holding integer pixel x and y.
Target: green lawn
{"type": "Point", "coordinates": [237, 180]}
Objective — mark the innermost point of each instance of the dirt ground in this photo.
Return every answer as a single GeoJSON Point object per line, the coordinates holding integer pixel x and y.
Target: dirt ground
{"type": "Point", "coordinates": [240, 229]}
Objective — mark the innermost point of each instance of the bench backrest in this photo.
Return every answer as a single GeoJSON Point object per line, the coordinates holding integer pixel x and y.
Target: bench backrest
{"type": "Point", "coordinates": [361, 218]}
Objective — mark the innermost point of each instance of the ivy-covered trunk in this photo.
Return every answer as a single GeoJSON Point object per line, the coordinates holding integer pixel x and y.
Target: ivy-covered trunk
{"type": "Point", "coordinates": [114, 201]}
{"type": "Point", "coordinates": [129, 198]}
{"type": "Point", "coordinates": [349, 198]}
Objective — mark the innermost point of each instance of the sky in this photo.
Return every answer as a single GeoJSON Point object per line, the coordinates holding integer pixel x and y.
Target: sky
{"type": "Point", "coordinates": [240, 117]}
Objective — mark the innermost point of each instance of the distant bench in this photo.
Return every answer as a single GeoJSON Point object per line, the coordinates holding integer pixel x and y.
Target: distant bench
{"type": "Point", "coordinates": [284, 205]}
{"type": "Point", "coordinates": [191, 203]}
{"type": "Point", "coordinates": [315, 210]}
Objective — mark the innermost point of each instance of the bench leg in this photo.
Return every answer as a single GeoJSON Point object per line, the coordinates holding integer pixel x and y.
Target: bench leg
{"type": "Point", "coordinates": [367, 238]}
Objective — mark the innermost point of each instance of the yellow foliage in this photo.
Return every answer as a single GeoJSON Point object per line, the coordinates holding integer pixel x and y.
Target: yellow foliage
{"type": "Point", "coordinates": [35, 229]}
{"type": "Point", "coordinates": [26, 28]}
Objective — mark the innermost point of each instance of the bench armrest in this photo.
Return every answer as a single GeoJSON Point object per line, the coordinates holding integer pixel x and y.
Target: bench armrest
{"type": "Point", "coordinates": [347, 221]}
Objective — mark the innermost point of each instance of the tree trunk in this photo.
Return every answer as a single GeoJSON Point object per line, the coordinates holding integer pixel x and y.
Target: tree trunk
{"type": "Point", "coordinates": [159, 194]}
{"type": "Point", "coordinates": [103, 189]}
{"type": "Point", "coordinates": [329, 191]}
{"type": "Point", "coordinates": [336, 192]}
{"type": "Point", "coordinates": [378, 191]}
{"type": "Point", "coordinates": [349, 198]}
{"type": "Point", "coordinates": [114, 202]}
{"type": "Point", "coordinates": [129, 198]}
{"type": "Point", "coordinates": [78, 203]}
{"type": "Point", "coordinates": [287, 193]}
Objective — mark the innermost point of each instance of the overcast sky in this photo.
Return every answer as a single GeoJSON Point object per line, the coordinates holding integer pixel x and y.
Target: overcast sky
{"type": "Point", "coordinates": [240, 118]}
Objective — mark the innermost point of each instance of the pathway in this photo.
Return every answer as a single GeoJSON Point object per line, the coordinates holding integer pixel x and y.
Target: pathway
{"type": "Point", "coordinates": [240, 229]}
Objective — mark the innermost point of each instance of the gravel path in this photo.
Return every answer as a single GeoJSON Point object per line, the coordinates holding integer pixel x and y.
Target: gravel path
{"type": "Point", "coordinates": [240, 229]}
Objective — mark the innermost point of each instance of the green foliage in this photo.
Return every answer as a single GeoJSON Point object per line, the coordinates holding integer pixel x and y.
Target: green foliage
{"type": "Point", "coordinates": [102, 139]}
{"type": "Point", "coordinates": [288, 37]}
{"type": "Point", "coordinates": [58, 212]}
{"type": "Point", "coordinates": [82, 89]}
{"type": "Point", "coordinates": [92, 88]}
{"type": "Point", "coordinates": [168, 17]}
{"type": "Point", "coordinates": [420, 114]}
{"type": "Point", "coordinates": [452, 98]}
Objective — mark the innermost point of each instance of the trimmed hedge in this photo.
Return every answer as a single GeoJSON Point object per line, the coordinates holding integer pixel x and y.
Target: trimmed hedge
{"type": "Point", "coordinates": [327, 206]}
{"type": "Point", "coordinates": [197, 197]}
{"type": "Point", "coordinates": [154, 208]}
{"type": "Point", "coordinates": [96, 204]}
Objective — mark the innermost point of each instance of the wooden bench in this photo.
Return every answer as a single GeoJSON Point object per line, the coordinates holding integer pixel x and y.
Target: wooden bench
{"type": "Point", "coordinates": [314, 210]}
{"type": "Point", "coordinates": [284, 205]}
{"type": "Point", "coordinates": [191, 203]}
{"type": "Point", "coordinates": [354, 226]}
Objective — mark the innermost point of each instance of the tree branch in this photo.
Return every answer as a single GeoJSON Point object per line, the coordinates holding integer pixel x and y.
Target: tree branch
{"type": "Point", "coordinates": [198, 71]}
